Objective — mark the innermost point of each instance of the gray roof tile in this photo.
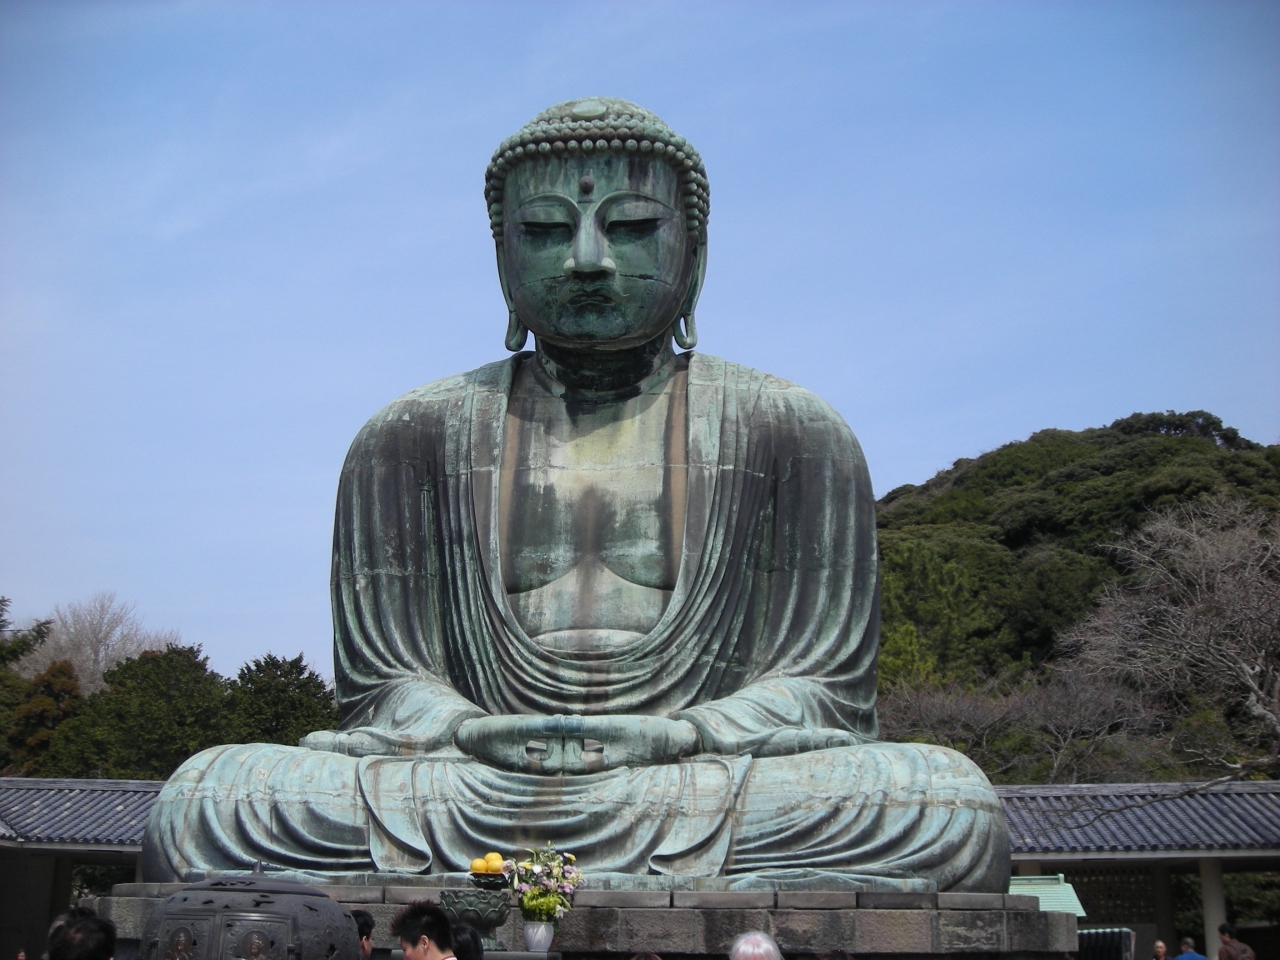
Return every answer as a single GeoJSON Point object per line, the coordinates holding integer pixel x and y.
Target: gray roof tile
{"type": "Point", "coordinates": [75, 811]}
{"type": "Point", "coordinates": [1142, 817]}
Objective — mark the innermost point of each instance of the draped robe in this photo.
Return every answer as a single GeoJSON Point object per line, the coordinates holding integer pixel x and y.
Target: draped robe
{"type": "Point", "coordinates": [767, 646]}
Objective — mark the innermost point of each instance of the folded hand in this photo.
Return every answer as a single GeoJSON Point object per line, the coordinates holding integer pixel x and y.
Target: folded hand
{"type": "Point", "coordinates": [574, 744]}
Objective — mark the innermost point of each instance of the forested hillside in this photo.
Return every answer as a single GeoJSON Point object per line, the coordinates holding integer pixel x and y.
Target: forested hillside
{"type": "Point", "coordinates": [986, 562]}
{"type": "Point", "coordinates": [1101, 605]}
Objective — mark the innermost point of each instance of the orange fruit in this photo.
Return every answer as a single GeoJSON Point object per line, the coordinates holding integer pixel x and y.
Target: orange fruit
{"type": "Point", "coordinates": [479, 866]}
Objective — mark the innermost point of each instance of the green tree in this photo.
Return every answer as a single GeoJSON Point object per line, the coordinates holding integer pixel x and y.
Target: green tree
{"type": "Point", "coordinates": [273, 700]}
{"type": "Point", "coordinates": [156, 711]}
{"type": "Point", "coordinates": [14, 645]}
{"type": "Point", "coordinates": [52, 697]}
{"type": "Point", "coordinates": [986, 563]}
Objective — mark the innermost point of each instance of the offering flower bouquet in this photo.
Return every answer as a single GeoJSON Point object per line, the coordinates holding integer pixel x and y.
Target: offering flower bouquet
{"type": "Point", "coordinates": [545, 883]}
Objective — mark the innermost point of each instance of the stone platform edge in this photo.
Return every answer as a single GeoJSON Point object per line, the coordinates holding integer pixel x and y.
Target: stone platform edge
{"type": "Point", "coordinates": [608, 923]}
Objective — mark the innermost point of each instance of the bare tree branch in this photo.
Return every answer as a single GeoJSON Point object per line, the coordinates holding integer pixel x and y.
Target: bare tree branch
{"type": "Point", "coordinates": [1201, 617]}
{"type": "Point", "coordinates": [95, 635]}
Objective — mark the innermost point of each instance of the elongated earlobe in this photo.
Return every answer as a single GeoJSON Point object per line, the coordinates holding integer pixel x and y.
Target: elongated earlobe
{"type": "Point", "coordinates": [517, 333]}
{"type": "Point", "coordinates": [687, 338]}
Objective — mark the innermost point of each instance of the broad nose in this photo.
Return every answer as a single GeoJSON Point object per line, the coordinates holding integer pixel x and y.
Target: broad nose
{"type": "Point", "coordinates": [590, 254]}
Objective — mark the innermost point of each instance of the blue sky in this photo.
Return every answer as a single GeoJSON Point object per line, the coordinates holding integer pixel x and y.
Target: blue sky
{"type": "Point", "coordinates": [232, 231]}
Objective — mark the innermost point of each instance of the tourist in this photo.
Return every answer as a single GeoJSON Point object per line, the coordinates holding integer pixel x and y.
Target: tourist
{"type": "Point", "coordinates": [61, 920]}
{"type": "Point", "coordinates": [1159, 951]}
{"type": "Point", "coordinates": [364, 926]}
{"type": "Point", "coordinates": [424, 932]}
{"type": "Point", "coordinates": [1189, 950]}
{"type": "Point", "coordinates": [1232, 949]}
{"type": "Point", "coordinates": [85, 938]}
{"type": "Point", "coordinates": [467, 944]}
{"type": "Point", "coordinates": [756, 945]}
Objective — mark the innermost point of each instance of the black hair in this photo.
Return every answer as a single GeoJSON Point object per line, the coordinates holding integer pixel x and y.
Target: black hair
{"type": "Point", "coordinates": [364, 922]}
{"type": "Point", "coordinates": [75, 913]}
{"type": "Point", "coordinates": [1188, 942]}
{"type": "Point", "coordinates": [1228, 928]}
{"type": "Point", "coordinates": [84, 938]}
{"type": "Point", "coordinates": [422, 919]}
{"type": "Point", "coordinates": [467, 944]}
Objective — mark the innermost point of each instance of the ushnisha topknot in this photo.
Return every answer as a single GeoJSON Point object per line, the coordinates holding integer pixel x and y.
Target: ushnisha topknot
{"type": "Point", "coordinates": [601, 125]}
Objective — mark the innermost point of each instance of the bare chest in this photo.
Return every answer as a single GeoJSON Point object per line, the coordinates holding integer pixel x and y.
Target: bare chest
{"type": "Point", "coordinates": [591, 510]}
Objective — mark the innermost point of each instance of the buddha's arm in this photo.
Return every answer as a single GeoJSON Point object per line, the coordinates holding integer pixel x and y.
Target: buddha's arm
{"type": "Point", "coordinates": [412, 716]}
{"type": "Point", "coordinates": [394, 689]}
{"type": "Point", "coordinates": [808, 648]}
{"type": "Point", "coordinates": [776, 717]}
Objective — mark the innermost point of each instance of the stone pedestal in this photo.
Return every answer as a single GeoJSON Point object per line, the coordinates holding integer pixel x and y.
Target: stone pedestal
{"type": "Point", "coordinates": [687, 924]}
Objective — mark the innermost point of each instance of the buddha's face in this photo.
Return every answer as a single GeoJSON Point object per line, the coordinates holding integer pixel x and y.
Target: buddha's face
{"type": "Point", "coordinates": [595, 249]}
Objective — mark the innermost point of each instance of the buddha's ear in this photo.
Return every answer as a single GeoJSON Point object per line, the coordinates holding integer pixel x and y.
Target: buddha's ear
{"type": "Point", "coordinates": [517, 333]}
{"type": "Point", "coordinates": [687, 338]}
{"type": "Point", "coordinates": [695, 281]}
{"type": "Point", "coordinates": [502, 276]}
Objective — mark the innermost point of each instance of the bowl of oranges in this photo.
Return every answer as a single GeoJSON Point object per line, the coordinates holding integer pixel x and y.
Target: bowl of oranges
{"type": "Point", "coordinates": [489, 872]}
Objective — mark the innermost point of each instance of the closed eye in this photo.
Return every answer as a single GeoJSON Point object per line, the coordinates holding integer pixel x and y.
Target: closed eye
{"type": "Point", "coordinates": [638, 229]}
{"type": "Point", "coordinates": [542, 230]}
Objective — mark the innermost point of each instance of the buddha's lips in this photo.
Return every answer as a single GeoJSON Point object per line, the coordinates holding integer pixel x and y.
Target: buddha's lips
{"type": "Point", "coordinates": [587, 295]}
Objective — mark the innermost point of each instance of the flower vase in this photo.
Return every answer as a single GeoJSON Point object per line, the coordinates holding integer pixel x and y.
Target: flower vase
{"type": "Point", "coordinates": [538, 934]}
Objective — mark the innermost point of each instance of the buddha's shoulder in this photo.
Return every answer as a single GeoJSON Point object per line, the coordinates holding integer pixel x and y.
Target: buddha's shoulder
{"type": "Point", "coordinates": [772, 398]}
{"type": "Point", "coordinates": [437, 398]}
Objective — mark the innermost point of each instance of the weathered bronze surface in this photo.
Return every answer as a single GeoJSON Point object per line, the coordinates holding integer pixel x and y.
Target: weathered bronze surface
{"type": "Point", "coordinates": [600, 594]}
{"type": "Point", "coordinates": [483, 910]}
{"type": "Point", "coordinates": [250, 918]}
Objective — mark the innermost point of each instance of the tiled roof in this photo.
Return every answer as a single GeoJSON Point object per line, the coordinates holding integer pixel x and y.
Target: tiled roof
{"type": "Point", "coordinates": [91, 812]}
{"type": "Point", "coordinates": [1143, 817]}
{"type": "Point", "coordinates": [1079, 818]}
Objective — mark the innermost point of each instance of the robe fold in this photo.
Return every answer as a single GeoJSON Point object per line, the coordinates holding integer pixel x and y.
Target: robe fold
{"type": "Point", "coordinates": [767, 646]}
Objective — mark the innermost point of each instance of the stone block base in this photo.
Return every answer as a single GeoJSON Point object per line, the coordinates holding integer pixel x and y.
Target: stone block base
{"type": "Point", "coordinates": [684, 925]}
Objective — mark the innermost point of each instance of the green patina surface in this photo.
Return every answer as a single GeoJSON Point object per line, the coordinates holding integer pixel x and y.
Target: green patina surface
{"type": "Point", "coordinates": [602, 594]}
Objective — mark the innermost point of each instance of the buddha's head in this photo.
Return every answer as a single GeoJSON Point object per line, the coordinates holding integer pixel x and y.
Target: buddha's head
{"type": "Point", "coordinates": [599, 212]}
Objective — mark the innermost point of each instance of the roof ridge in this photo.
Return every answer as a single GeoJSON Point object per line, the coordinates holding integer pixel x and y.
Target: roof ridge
{"type": "Point", "coordinates": [1188, 788]}
{"type": "Point", "coordinates": [52, 783]}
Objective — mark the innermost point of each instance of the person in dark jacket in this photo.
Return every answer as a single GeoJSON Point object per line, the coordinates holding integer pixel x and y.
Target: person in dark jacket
{"type": "Point", "coordinates": [1232, 949]}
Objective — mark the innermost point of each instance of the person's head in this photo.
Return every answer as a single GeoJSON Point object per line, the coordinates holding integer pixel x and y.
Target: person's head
{"type": "Point", "coordinates": [1187, 945]}
{"type": "Point", "coordinates": [423, 931]}
{"type": "Point", "coordinates": [1227, 932]}
{"type": "Point", "coordinates": [599, 211]}
{"type": "Point", "coordinates": [84, 938]}
{"type": "Point", "coordinates": [756, 945]}
{"type": "Point", "coordinates": [364, 928]}
{"type": "Point", "coordinates": [646, 956]}
{"type": "Point", "coordinates": [62, 919]}
{"type": "Point", "coordinates": [467, 944]}
{"type": "Point", "coordinates": [1160, 949]}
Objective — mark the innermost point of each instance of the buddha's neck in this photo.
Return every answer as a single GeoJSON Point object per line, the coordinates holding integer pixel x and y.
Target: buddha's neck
{"type": "Point", "coordinates": [604, 376]}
